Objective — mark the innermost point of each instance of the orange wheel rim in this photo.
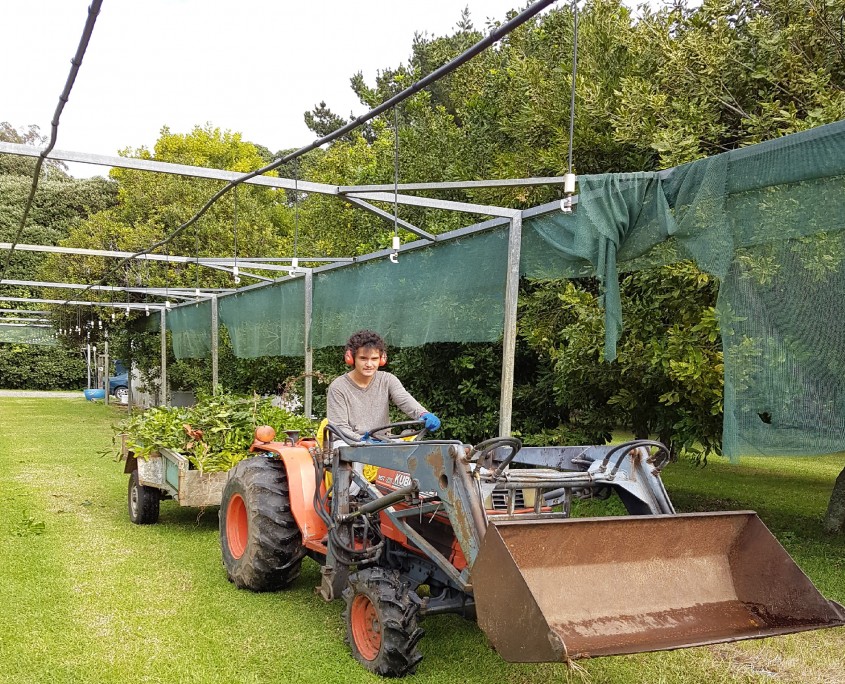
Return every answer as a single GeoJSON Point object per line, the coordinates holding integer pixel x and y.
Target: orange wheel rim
{"type": "Point", "coordinates": [237, 526]}
{"type": "Point", "coordinates": [366, 627]}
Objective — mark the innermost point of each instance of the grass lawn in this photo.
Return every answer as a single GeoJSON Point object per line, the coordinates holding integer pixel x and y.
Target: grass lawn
{"type": "Point", "coordinates": [85, 596]}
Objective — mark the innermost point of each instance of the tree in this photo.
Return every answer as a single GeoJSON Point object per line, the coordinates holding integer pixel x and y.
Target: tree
{"type": "Point", "coordinates": [323, 121]}
{"type": "Point", "coordinates": [60, 204]}
{"type": "Point", "coordinates": [248, 221]}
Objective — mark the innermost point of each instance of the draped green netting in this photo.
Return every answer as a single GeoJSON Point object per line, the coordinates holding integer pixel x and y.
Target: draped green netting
{"type": "Point", "coordinates": [190, 330]}
{"type": "Point", "coordinates": [767, 220]}
{"type": "Point", "coordinates": [27, 334]}
{"type": "Point", "coordinates": [452, 291]}
{"type": "Point", "coordinates": [266, 321]}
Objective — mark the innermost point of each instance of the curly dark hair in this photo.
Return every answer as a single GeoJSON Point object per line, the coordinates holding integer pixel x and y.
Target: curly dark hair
{"type": "Point", "coordinates": [365, 338]}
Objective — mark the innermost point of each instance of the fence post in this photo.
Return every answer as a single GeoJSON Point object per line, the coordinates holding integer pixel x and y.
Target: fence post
{"type": "Point", "coordinates": [162, 395]}
{"type": "Point", "coordinates": [106, 372]}
{"type": "Point", "coordinates": [509, 333]}
{"type": "Point", "coordinates": [214, 344]}
{"type": "Point", "coordinates": [309, 352]}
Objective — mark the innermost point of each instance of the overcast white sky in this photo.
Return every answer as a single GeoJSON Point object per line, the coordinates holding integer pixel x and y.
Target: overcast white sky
{"type": "Point", "coordinates": [252, 66]}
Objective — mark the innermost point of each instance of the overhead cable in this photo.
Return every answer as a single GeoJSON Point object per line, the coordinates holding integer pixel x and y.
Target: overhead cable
{"type": "Point", "coordinates": [493, 37]}
{"type": "Point", "coordinates": [76, 62]}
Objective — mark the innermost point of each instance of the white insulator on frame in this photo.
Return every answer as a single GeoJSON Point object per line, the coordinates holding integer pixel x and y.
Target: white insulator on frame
{"type": "Point", "coordinates": [569, 183]}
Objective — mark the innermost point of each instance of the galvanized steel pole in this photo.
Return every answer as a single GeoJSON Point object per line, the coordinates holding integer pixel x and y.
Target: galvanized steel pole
{"type": "Point", "coordinates": [309, 352]}
{"type": "Point", "coordinates": [106, 373]}
{"type": "Point", "coordinates": [162, 392]}
{"type": "Point", "coordinates": [214, 344]}
{"type": "Point", "coordinates": [509, 336]}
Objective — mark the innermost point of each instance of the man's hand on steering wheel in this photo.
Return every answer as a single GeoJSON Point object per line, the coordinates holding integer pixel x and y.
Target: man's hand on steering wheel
{"type": "Point", "coordinates": [375, 438]}
{"type": "Point", "coordinates": [432, 422]}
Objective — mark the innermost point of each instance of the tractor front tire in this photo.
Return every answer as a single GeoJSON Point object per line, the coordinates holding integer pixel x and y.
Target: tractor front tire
{"type": "Point", "coordinates": [261, 543]}
{"type": "Point", "coordinates": [381, 623]}
{"type": "Point", "coordinates": [143, 501]}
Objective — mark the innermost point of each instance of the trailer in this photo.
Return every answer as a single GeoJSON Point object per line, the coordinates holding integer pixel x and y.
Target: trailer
{"type": "Point", "coordinates": [167, 474]}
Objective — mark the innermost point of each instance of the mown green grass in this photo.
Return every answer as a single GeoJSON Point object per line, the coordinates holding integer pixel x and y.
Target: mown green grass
{"type": "Point", "coordinates": [88, 597]}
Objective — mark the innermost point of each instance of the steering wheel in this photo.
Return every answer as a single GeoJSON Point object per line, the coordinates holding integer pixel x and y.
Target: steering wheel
{"type": "Point", "coordinates": [405, 423]}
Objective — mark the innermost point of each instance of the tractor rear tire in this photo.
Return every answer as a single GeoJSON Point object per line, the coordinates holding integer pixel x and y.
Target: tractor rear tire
{"type": "Point", "coordinates": [381, 622]}
{"type": "Point", "coordinates": [261, 543]}
{"type": "Point", "coordinates": [143, 501]}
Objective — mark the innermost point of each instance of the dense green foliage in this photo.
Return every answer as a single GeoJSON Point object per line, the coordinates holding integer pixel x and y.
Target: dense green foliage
{"type": "Point", "coordinates": [60, 205]}
{"type": "Point", "coordinates": [31, 367]}
{"type": "Point", "coordinates": [667, 378]}
{"type": "Point", "coordinates": [214, 434]}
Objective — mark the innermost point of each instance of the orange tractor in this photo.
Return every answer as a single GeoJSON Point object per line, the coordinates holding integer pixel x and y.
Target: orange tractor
{"type": "Point", "coordinates": [484, 531]}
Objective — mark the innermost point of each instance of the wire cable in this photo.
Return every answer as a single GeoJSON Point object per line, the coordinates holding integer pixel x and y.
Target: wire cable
{"type": "Point", "coordinates": [76, 62]}
{"type": "Point", "coordinates": [395, 172]}
{"type": "Point", "coordinates": [435, 75]}
{"type": "Point", "coordinates": [574, 74]}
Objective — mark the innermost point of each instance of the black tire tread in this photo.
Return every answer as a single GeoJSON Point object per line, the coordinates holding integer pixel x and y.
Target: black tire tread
{"type": "Point", "coordinates": [399, 654]}
{"type": "Point", "coordinates": [273, 556]}
{"type": "Point", "coordinates": [149, 501]}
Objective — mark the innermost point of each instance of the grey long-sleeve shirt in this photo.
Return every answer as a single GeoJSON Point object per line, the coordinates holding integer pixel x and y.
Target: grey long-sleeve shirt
{"type": "Point", "coordinates": [357, 410]}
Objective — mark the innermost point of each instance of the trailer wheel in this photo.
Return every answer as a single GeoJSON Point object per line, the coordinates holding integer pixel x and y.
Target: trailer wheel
{"type": "Point", "coordinates": [143, 501]}
{"type": "Point", "coordinates": [260, 540]}
{"type": "Point", "coordinates": [381, 623]}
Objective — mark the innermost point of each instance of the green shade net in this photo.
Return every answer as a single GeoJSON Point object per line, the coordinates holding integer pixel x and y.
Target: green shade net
{"type": "Point", "coordinates": [266, 321]}
{"type": "Point", "coordinates": [26, 334]}
{"type": "Point", "coordinates": [151, 323]}
{"type": "Point", "coordinates": [190, 330]}
{"type": "Point", "coordinates": [782, 316]}
{"type": "Point", "coordinates": [619, 217]}
{"type": "Point", "coordinates": [766, 220]}
{"type": "Point", "coordinates": [450, 292]}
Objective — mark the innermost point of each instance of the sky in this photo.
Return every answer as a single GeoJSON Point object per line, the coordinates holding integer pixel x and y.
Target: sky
{"type": "Point", "coordinates": [253, 66]}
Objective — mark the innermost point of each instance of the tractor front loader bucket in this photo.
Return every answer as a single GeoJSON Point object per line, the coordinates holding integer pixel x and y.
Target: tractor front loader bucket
{"type": "Point", "coordinates": [566, 589]}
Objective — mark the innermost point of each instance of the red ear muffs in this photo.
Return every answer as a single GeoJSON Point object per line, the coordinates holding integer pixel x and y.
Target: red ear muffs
{"type": "Point", "coordinates": [349, 360]}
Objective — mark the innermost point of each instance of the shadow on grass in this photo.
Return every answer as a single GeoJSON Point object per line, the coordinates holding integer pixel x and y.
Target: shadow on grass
{"type": "Point", "coordinates": [188, 518]}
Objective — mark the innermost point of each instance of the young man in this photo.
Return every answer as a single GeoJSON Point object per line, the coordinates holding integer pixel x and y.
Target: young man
{"type": "Point", "coordinates": [359, 400]}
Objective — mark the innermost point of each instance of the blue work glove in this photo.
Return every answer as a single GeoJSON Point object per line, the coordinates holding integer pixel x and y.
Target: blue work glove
{"type": "Point", "coordinates": [367, 437]}
{"type": "Point", "coordinates": [432, 422]}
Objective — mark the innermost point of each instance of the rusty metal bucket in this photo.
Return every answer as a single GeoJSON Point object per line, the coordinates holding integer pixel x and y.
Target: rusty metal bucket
{"type": "Point", "coordinates": [567, 589]}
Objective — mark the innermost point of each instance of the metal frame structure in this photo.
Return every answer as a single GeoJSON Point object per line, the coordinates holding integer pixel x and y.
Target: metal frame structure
{"type": "Point", "coordinates": [359, 196]}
